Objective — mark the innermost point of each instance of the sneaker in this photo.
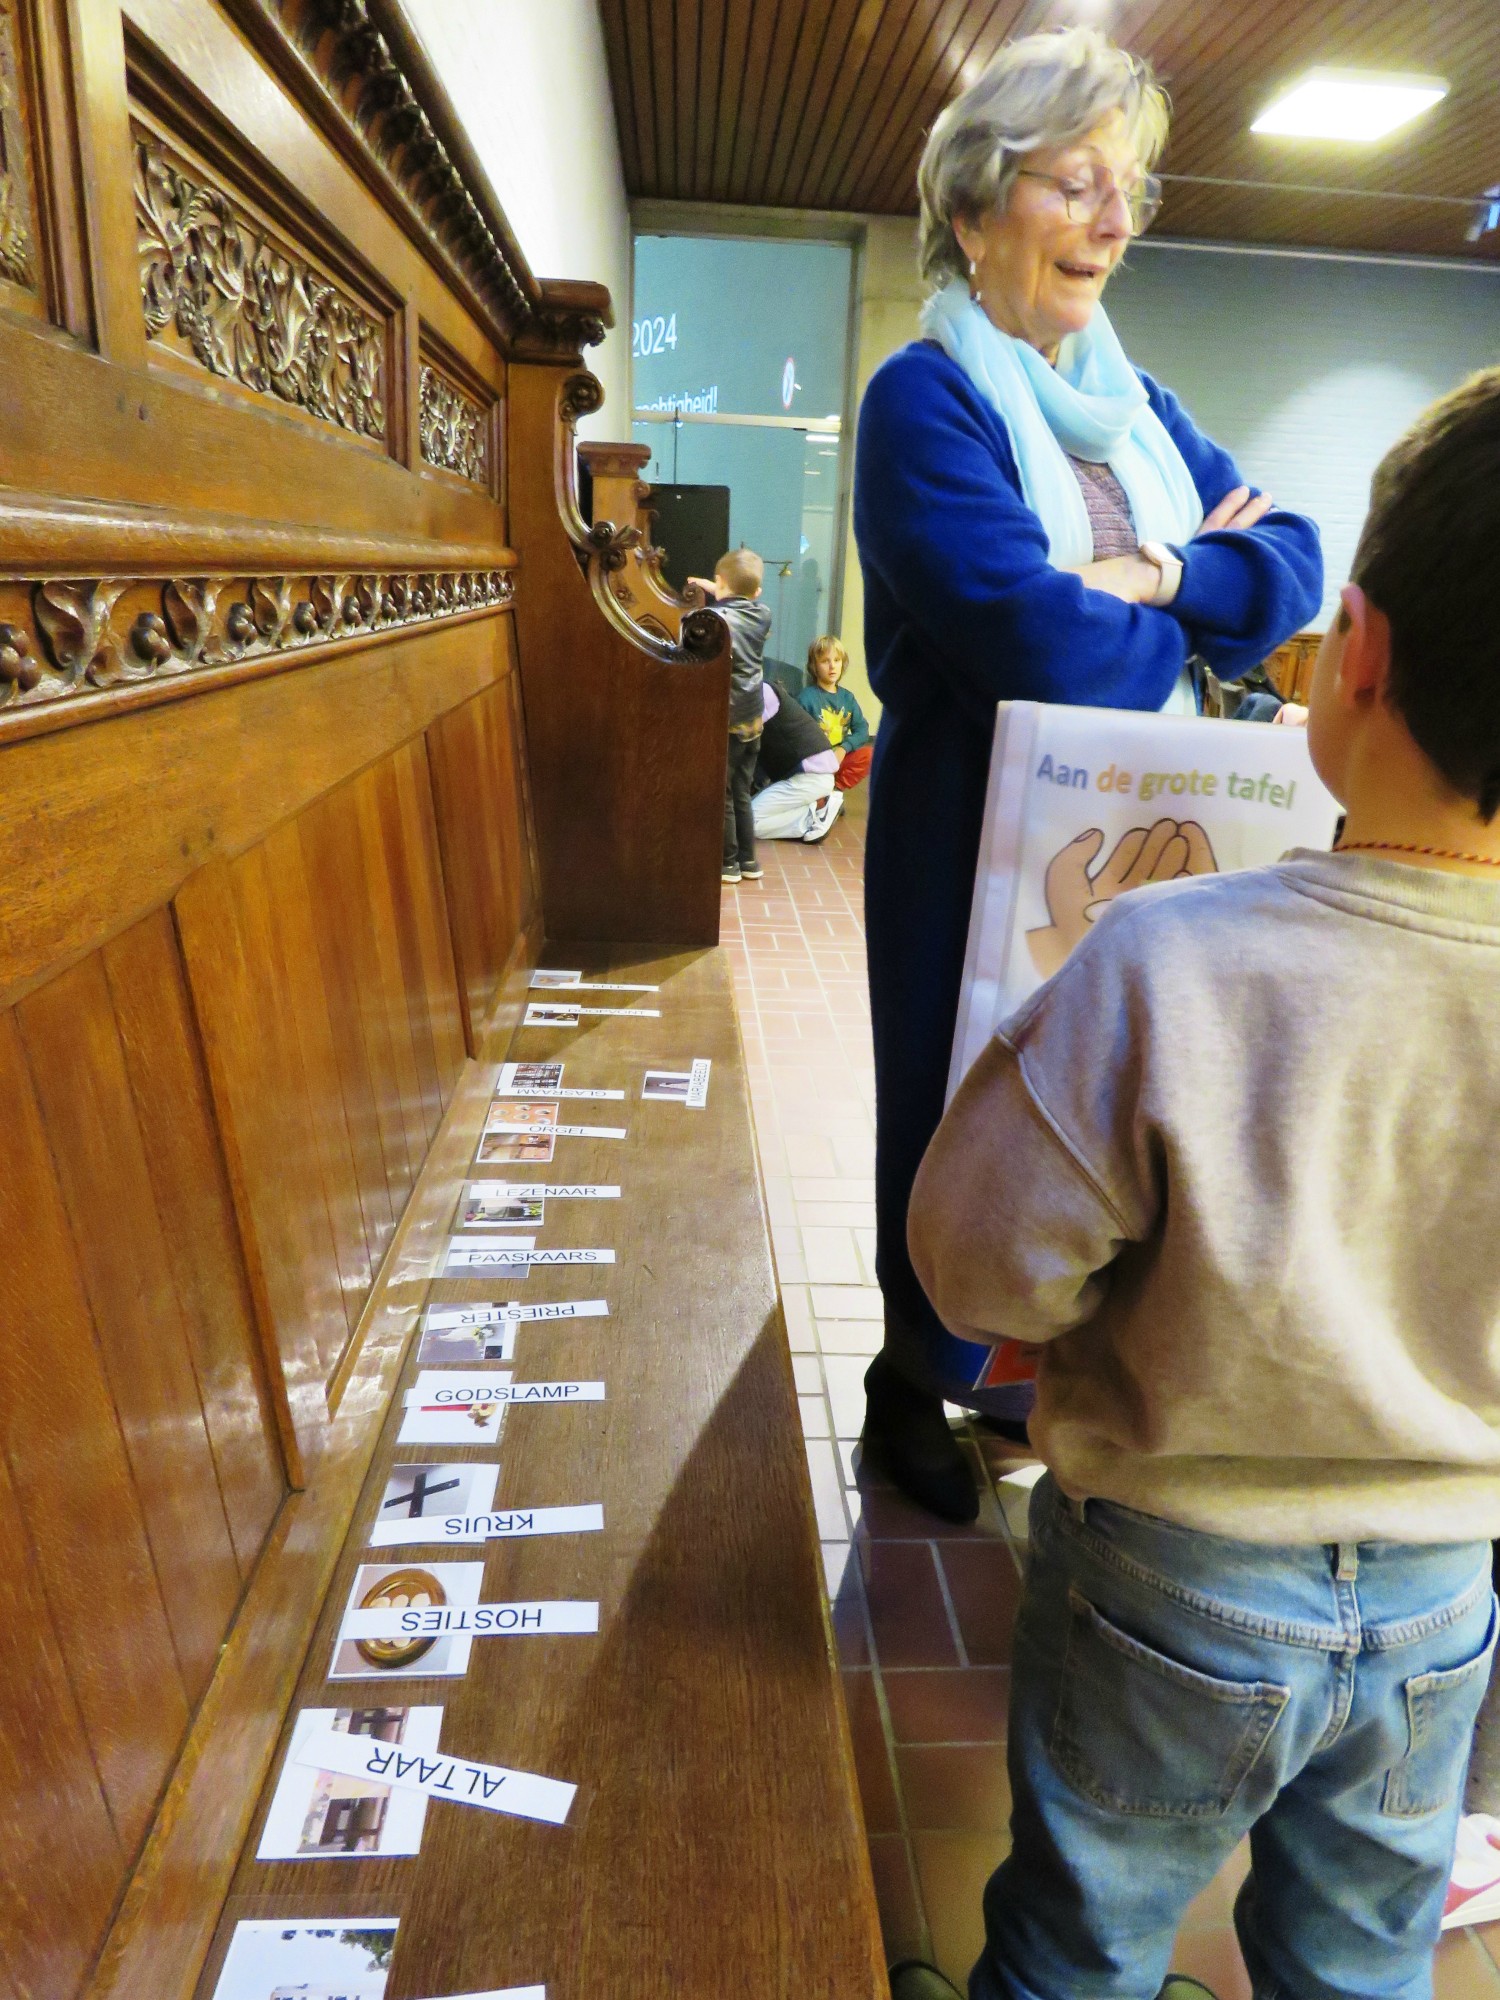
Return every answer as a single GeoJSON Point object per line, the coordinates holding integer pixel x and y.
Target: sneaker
{"type": "Point", "coordinates": [753, 873]}
{"type": "Point", "coordinates": [1474, 1888]}
{"type": "Point", "coordinates": [824, 813]}
{"type": "Point", "coordinates": [732, 875]}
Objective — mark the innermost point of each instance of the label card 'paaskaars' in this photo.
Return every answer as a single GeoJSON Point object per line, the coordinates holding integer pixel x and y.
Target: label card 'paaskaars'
{"type": "Point", "coordinates": [394, 1590]}
{"type": "Point", "coordinates": [448, 1415]}
{"type": "Point", "coordinates": [498, 1258]}
{"type": "Point", "coordinates": [483, 1621]}
{"type": "Point", "coordinates": [317, 1812]}
{"type": "Point", "coordinates": [494, 1527]}
{"type": "Point", "coordinates": [438, 1776]}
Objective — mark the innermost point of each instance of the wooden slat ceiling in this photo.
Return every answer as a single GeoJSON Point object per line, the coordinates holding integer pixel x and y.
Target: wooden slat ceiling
{"type": "Point", "coordinates": [824, 104]}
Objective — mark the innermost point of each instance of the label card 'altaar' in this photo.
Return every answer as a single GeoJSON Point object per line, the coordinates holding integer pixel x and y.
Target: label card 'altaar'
{"type": "Point", "coordinates": [436, 1775]}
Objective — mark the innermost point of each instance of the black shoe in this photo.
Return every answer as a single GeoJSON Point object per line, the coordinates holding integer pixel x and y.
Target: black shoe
{"type": "Point", "coordinates": [907, 1435]}
{"type": "Point", "coordinates": [915, 1979]}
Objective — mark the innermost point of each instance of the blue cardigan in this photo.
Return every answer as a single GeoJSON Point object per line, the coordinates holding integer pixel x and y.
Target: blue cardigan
{"type": "Point", "coordinates": [963, 609]}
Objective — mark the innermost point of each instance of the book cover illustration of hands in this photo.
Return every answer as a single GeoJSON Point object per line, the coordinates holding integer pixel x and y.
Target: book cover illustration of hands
{"type": "Point", "coordinates": [1088, 804]}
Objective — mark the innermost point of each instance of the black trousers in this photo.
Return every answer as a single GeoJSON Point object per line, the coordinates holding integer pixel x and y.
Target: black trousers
{"type": "Point", "coordinates": [739, 822]}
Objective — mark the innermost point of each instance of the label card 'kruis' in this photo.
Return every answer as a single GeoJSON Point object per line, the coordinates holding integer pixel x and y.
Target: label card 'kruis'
{"type": "Point", "coordinates": [494, 1527]}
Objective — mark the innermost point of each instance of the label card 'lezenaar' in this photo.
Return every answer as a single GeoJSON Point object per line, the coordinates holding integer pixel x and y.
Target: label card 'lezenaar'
{"type": "Point", "coordinates": [439, 1776]}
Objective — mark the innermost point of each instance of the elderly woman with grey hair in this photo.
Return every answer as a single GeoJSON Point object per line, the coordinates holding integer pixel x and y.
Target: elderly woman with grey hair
{"type": "Point", "coordinates": [1036, 520]}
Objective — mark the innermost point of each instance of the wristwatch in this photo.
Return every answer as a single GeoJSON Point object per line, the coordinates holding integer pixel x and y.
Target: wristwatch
{"type": "Point", "coordinates": [1168, 566]}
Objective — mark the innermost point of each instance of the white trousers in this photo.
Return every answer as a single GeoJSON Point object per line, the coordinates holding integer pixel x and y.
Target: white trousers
{"type": "Point", "coordinates": [785, 811]}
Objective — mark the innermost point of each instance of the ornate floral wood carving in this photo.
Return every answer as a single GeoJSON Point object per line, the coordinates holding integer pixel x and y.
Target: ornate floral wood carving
{"type": "Point", "coordinates": [16, 225]}
{"type": "Point", "coordinates": [455, 430]}
{"type": "Point", "coordinates": [377, 85]}
{"type": "Point", "coordinates": [245, 305]}
{"type": "Point", "coordinates": [83, 635]}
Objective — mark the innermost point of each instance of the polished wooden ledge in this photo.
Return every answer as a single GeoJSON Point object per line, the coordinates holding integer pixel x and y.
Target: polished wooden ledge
{"type": "Point", "coordinates": [716, 1845]}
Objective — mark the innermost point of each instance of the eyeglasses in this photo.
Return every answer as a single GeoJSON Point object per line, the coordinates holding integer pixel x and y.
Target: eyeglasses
{"type": "Point", "coordinates": [1087, 195]}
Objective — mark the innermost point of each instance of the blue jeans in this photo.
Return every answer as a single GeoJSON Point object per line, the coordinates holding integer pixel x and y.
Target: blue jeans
{"type": "Point", "coordinates": [1173, 1691]}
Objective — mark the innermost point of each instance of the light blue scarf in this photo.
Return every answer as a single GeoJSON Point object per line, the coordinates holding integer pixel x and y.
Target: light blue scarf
{"type": "Point", "coordinates": [1092, 405]}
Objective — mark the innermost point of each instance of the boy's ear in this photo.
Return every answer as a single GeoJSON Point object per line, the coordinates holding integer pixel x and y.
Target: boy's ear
{"type": "Point", "coordinates": [1365, 656]}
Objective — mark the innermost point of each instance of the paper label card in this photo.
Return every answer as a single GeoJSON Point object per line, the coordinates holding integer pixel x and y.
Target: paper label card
{"type": "Point", "coordinates": [487, 1211]}
{"type": "Point", "coordinates": [456, 1417]}
{"type": "Point", "coordinates": [418, 1497]}
{"type": "Point", "coordinates": [508, 1147]}
{"type": "Point", "coordinates": [469, 1333]}
{"type": "Point", "coordinates": [499, 1260]}
{"type": "Point", "coordinates": [522, 1079]}
{"type": "Point", "coordinates": [436, 1775]}
{"type": "Point", "coordinates": [403, 1628]}
{"type": "Point", "coordinates": [521, 1115]}
{"type": "Point", "coordinates": [323, 1958]}
{"type": "Point", "coordinates": [540, 1080]}
{"type": "Point", "coordinates": [487, 1191]}
{"type": "Point", "coordinates": [496, 1256]}
{"type": "Point", "coordinates": [311, 1958]}
{"type": "Point", "coordinates": [557, 1014]}
{"type": "Point", "coordinates": [389, 1590]}
{"type": "Point", "coordinates": [679, 1086]}
{"type": "Point", "coordinates": [566, 1309]}
{"type": "Point", "coordinates": [436, 1394]}
{"type": "Point", "coordinates": [323, 1811]}
{"type": "Point", "coordinates": [548, 977]}
{"type": "Point", "coordinates": [494, 1527]}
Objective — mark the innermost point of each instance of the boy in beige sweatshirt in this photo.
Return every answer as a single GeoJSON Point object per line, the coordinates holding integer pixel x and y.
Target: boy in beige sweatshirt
{"type": "Point", "coordinates": [1235, 1166]}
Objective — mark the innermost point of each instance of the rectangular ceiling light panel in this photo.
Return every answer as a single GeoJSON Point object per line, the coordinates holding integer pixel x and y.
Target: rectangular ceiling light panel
{"type": "Point", "coordinates": [1352, 104]}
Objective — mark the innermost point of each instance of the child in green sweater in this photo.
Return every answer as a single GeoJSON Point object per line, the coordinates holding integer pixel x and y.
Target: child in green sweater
{"type": "Point", "coordinates": [836, 711]}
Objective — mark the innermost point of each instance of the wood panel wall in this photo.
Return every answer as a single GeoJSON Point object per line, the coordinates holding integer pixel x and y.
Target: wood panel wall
{"type": "Point", "coordinates": [269, 808]}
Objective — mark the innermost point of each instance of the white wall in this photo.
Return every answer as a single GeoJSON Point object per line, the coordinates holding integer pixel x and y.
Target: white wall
{"type": "Point", "coordinates": [1306, 369]}
{"type": "Point", "coordinates": [530, 82]}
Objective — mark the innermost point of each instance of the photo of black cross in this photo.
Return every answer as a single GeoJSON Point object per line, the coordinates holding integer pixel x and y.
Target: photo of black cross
{"type": "Point", "coordinates": [420, 1493]}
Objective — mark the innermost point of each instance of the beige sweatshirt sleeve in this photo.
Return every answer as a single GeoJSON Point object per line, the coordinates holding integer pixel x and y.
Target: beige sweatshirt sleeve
{"type": "Point", "coordinates": [1032, 1186]}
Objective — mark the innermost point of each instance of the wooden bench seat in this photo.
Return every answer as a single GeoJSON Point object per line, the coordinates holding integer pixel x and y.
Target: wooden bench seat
{"type": "Point", "coordinates": [715, 1845]}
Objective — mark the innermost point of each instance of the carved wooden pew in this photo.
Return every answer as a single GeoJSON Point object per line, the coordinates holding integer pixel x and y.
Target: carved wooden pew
{"type": "Point", "coordinates": [318, 713]}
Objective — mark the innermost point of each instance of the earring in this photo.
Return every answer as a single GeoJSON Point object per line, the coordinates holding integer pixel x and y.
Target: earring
{"type": "Point", "coordinates": [973, 268]}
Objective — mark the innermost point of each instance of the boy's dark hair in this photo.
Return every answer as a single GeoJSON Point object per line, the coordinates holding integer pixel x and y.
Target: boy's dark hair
{"type": "Point", "coordinates": [1427, 545]}
{"type": "Point", "coordinates": [742, 571]}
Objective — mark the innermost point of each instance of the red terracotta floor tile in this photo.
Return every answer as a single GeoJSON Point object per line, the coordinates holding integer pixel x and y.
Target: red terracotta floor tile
{"type": "Point", "coordinates": [947, 1704]}
{"type": "Point", "coordinates": [901, 1924]}
{"type": "Point", "coordinates": [952, 1869]}
{"type": "Point", "coordinates": [954, 1790]}
{"type": "Point", "coordinates": [1214, 1958]}
{"type": "Point", "coordinates": [907, 1612]}
{"type": "Point", "coordinates": [985, 1587]}
{"type": "Point", "coordinates": [877, 1792]}
{"type": "Point", "coordinates": [1453, 1967]}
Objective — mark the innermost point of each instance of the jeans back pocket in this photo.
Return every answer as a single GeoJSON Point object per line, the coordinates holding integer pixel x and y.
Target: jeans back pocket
{"type": "Point", "coordinates": [1141, 1734]}
{"type": "Point", "coordinates": [1441, 1710]}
